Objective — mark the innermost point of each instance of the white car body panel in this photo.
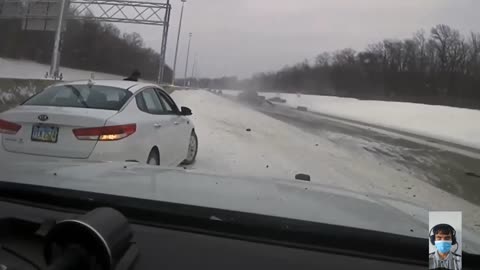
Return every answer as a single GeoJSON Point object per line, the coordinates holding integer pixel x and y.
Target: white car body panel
{"type": "Point", "coordinates": [184, 128]}
{"type": "Point", "coordinates": [167, 132]}
{"type": "Point", "coordinates": [273, 197]}
{"type": "Point", "coordinates": [152, 131]}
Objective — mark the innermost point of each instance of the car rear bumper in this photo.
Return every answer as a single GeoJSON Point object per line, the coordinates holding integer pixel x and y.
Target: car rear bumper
{"type": "Point", "coordinates": [6, 156]}
{"type": "Point", "coordinates": [104, 151]}
{"type": "Point", "coordinates": [118, 151]}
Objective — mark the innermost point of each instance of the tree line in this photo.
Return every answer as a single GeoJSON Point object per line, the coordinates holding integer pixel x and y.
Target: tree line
{"type": "Point", "coordinates": [438, 67]}
{"type": "Point", "coordinates": [87, 45]}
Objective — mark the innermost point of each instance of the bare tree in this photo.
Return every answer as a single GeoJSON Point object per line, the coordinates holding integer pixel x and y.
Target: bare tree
{"type": "Point", "coordinates": [344, 57]}
{"type": "Point", "coordinates": [323, 59]}
{"type": "Point", "coordinates": [133, 39]}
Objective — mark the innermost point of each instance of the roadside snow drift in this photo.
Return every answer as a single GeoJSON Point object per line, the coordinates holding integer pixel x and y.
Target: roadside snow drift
{"type": "Point", "coordinates": [25, 69]}
{"type": "Point", "coordinates": [455, 125]}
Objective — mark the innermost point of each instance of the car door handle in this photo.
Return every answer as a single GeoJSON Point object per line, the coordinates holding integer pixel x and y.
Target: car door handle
{"type": "Point", "coordinates": [157, 125]}
{"type": "Point", "coordinates": [176, 123]}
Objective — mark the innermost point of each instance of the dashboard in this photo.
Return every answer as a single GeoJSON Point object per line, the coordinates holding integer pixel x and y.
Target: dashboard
{"type": "Point", "coordinates": [26, 237]}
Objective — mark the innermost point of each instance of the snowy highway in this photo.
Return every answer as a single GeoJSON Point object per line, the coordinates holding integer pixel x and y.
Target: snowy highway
{"type": "Point", "coordinates": [274, 142]}
{"type": "Point", "coordinates": [453, 172]}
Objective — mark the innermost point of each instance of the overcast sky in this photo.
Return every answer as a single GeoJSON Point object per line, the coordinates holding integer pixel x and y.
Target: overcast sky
{"type": "Point", "coordinates": [243, 37]}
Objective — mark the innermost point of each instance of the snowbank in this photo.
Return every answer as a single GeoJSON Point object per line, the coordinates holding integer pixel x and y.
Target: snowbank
{"type": "Point", "coordinates": [25, 69]}
{"type": "Point", "coordinates": [456, 125]}
{"type": "Point", "coordinates": [14, 91]}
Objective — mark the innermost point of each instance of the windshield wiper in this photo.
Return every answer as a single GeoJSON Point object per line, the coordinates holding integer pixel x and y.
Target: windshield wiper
{"type": "Point", "coordinates": [79, 95]}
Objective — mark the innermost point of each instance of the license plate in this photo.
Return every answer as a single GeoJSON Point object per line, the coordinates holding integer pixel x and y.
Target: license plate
{"type": "Point", "coordinates": [41, 133]}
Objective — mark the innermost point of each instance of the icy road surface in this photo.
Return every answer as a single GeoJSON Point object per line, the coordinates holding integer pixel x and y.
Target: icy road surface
{"type": "Point", "coordinates": [277, 149]}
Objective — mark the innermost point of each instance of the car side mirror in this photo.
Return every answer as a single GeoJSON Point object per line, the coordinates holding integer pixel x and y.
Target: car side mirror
{"type": "Point", "coordinates": [186, 111]}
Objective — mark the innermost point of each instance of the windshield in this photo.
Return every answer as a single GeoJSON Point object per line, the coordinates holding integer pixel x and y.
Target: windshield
{"type": "Point", "coordinates": [358, 113]}
{"type": "Point", "coordinates": [83, 96]}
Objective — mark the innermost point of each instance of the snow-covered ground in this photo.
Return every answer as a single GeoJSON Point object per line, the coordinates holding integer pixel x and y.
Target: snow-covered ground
{"type": "Point", "coordinates": [456, 125]}
{"type": "Point", "coordinates": [26, 69]}
{"type": "Point", "coordinates": [274, 149]}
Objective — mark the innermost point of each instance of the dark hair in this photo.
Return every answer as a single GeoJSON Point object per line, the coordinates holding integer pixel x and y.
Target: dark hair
{"type": "Point", "coordinates": [443, 228]}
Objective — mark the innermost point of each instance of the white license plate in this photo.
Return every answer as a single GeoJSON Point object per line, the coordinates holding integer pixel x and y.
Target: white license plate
{"type": "Point", "coordinates": [41, 133]}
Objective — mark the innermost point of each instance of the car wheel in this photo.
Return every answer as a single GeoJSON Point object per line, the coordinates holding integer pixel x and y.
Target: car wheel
{"type": "Point", "coordinates": [153, 158]}
{"type": "Point", "coordinates": [192, 149]}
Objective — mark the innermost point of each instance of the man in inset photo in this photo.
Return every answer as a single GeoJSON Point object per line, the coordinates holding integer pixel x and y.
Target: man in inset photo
{"type": "Point", "coordinates": [443, 237]}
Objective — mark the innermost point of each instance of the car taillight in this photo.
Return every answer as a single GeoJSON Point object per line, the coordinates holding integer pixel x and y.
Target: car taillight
{"type": "Point", "coordinates": [9, 127]}
{"type": "Point", "coordinates": [108, 133]}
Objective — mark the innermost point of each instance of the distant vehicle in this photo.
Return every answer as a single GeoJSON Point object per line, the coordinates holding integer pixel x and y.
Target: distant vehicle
{"type": "Point", "coordinates": [103, 120]}
{"type": "Point", "coordinates": [251, 97]}
{"type": "Point", "coordinates": [277, 99]}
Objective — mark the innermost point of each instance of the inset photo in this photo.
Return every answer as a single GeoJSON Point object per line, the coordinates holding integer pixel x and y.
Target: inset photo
{"type": "Point", "coordinates": [445, 240]}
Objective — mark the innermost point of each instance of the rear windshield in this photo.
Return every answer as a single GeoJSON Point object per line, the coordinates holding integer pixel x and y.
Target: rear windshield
{"type": "Point", "coordinates": [81, 96]}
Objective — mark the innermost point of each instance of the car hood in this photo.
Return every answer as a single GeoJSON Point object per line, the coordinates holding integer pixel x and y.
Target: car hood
{"type": "Point", "coordinates": [272, 197]}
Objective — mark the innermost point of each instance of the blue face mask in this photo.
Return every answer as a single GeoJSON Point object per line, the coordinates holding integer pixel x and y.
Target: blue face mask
{"type": "Point", "coordinates": [443, 246]}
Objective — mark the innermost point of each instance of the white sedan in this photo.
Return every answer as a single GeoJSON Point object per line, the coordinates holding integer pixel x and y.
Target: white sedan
{"type": "Point", "coordinates": [100, 120]}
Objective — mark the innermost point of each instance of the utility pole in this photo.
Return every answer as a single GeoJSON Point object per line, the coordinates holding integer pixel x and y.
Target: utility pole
{"type": "Point", "coordinates": [178, 41]}
{"type": "Point", "coordinates": [194, 66]}
{"type": "Point", "coordinates": [163, 52]}
{"type": "Point", "coordinates": [56, 46]}
{"type": "Point", "coordinates": [186, 64]}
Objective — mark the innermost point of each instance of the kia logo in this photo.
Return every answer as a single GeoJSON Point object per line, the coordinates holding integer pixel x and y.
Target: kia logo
{"type": "Point", "coordinates": [43, 117]}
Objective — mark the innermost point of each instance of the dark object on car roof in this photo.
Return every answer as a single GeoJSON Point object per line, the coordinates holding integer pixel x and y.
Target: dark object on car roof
{"type": "Point", "coordinates": [302, 177]}
{"type": "Point", "coordinates": [134, 76]}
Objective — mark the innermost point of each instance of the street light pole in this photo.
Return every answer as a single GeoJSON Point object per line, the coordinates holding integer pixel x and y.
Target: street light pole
{"type": "Point", "coordinates": [178, 41]}
{"type": "Point", "coordinates": [56, 46]}
{"type": "Point", "coordinates": [194, 66]}
{"type": "Point", "coordinates": [186, 64]}
{"type": "Point", "coordinates": [163, 52]}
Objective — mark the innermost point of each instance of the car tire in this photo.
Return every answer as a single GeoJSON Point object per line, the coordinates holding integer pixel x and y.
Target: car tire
{"type": "Point", "coordinates": [192, 149]}
{"type": "Point", "coordinates": [153, 158]}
